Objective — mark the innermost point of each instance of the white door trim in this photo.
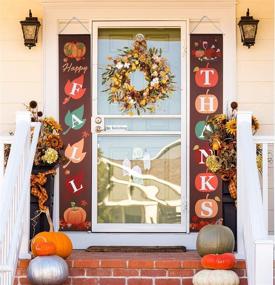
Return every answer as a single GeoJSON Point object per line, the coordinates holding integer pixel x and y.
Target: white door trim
{"type": "Point", "coordinates": [162, 228]}
{"type": "Point", "coordinates": [57, 12]}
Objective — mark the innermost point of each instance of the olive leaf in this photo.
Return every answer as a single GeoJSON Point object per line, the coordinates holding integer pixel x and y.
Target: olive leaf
{"type": "Point", "coordinates": [74, 119]}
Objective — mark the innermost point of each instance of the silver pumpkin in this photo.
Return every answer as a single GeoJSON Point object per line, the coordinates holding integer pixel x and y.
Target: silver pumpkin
{"type": "Point", "coordinates": [47, 270]}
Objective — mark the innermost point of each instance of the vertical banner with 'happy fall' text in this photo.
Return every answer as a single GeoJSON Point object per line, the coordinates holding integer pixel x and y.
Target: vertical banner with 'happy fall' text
{"type": "Point", "coordinates": [74, 115]}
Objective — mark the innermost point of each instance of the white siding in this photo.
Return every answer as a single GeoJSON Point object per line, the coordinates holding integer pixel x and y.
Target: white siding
{"type": "Point", "coordinates": [255, 73]}
{"type": "Point", "coordinates": [20, 68]}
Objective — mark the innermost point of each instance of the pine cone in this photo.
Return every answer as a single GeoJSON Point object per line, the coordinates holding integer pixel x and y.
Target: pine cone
{"type": "Point", "coordinates": [233, 187]}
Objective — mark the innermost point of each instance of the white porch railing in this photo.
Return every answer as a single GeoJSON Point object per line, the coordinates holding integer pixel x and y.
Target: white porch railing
{"type": "Point", "coordinates": [252, 212]}
{"type": "Point", "coordinates": [4, 140]}
{"type": "Point", "coordinates": [14, 195]}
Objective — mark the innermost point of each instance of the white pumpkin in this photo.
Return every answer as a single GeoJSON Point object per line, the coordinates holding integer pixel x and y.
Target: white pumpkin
{"type": "Point", "coordinates": [216, 277]}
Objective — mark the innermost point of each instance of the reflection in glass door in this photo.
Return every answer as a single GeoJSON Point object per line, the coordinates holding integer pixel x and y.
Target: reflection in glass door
{"type": "Point", "coordinates": [139, 155]}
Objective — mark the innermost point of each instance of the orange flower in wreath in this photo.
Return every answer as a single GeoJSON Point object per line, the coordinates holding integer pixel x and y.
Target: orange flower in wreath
{"type": "Point", "coordinates": [54, 141]}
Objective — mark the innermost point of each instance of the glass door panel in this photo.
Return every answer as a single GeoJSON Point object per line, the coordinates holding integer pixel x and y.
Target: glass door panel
{"type": "Point", "coordinates": [140, 180]}
{"type": "Point", "coordinates": [110, 41]}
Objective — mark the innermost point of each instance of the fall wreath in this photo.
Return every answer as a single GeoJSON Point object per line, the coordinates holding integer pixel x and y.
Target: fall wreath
{"type": "Point", "coordinates": [156, 71]}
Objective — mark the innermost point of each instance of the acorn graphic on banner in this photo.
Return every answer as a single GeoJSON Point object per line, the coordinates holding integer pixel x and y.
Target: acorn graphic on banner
{"type": "Point", "coordinates": [73, 89]}
{"type": "Point", "coordinates": [74, 153]}
{"type": "Point", "coordinates": [74, 119]}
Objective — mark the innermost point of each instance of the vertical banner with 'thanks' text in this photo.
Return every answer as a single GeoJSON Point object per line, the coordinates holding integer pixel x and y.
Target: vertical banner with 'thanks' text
{"type": "Point", "coordinates": [206, 99]}
{"type": "Point", "coordinates": [75, 180]}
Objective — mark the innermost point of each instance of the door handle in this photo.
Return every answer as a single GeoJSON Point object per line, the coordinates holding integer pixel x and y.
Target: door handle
{"type": "Point", "coordinates": [98, 129]}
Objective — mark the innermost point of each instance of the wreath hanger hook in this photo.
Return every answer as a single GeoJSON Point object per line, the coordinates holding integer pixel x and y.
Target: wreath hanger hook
{"type": "Point", "coordinates": [140, 37]}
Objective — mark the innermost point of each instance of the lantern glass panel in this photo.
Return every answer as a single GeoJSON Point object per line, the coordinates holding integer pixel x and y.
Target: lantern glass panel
{"type": "Point", "coordinates": [249, 31]}
{"type": "Point", "coordinates": [29, 32]}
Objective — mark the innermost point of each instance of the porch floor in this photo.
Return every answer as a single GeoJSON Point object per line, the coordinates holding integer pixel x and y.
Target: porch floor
{"type": "Point", "coordinates": [124, 268]}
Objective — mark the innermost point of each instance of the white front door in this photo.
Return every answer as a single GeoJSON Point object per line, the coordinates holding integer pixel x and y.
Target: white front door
{"type": "Point", "coordinates": [139, 160]}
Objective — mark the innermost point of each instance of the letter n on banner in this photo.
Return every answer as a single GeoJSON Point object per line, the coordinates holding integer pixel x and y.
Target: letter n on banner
{"type": "Point", "coordinates": [75, 180]}
{"type": "Point", "coordinates": [206, 99]}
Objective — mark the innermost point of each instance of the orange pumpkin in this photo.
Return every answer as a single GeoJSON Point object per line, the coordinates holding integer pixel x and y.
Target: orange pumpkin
{"type": "Point", "coordinates": [75, 50]}
{"type": "Point", "coordinates": [70, 49]}
{"type": "Point", "coordinates": [75, 215]}
{"type": "Point", "coordinates": [206, 182]}
{"type": "Point", "coordinates": [42, 248]}
{"type": "Point", "coordinates": [206, 77]}
{"type": "Point", "coordinates": [80, 50]}
{"type": "Point", "coordinates": [206, 103]}
{"type": "Point", "coordinates": [206, 208]}
{"type": "Point", "coordinates": [218, 261]}
{"type": "Point", "coordinates": [61, 241]}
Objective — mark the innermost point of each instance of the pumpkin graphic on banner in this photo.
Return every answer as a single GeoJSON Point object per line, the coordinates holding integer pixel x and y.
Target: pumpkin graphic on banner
{"type": "Point", "coordinates": [206, 103]}
{"type": "Point", "coordinates": [76, 50]}
{"type": "Point", "coordinates": [206, 208]}
{"type": "Point", "coordinates": [206, 76]}
{"type": "Point", "coordinates": [75, 215]}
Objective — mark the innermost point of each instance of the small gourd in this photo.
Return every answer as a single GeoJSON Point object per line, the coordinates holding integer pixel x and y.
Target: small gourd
{"type": "Point", "coordinates": [216, 277]}
{"type": "Point", "coordinates": [43, 248]}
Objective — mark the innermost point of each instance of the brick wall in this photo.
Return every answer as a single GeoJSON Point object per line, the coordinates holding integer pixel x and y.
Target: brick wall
{"type": "Point", "coordinates": [122, 269]}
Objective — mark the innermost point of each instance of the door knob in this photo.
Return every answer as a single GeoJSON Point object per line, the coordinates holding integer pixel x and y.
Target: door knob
{"type": "Point", "coordinates": [98, 120]}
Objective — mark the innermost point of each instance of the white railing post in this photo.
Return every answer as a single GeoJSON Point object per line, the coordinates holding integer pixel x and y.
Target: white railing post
{"type": "Point", "coordinates": [263, 254]}
{"type": "Point", "coordinates": [15, 197]}
{"type": "Point", "coordinates": [253, 238]}
{"type": "Point", "coordinates": [243, 117]}
{"type": "Point", "coordinates": [24, 247]}
{"type": "Point", "coordinates": [1, 161]}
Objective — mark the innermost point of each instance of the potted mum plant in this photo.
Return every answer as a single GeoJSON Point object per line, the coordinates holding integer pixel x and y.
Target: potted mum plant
{"type": "Point", "coordinates": [49, 154]}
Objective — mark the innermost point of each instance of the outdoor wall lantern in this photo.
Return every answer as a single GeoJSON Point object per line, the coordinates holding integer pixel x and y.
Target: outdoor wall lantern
{"type": "Point", "coordinates": [30, 29]}
{"type": "Point", "coordinates": [248, 27]}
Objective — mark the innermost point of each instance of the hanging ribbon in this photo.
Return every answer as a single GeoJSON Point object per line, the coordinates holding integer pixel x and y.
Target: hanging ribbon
{"type": "Point", "coordinates": [70, 21]}
{"type": "Point", "coordinates": [202, 19]}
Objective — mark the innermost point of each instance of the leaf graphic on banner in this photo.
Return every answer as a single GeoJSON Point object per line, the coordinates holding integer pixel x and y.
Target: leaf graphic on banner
{"type": "Point", "coordinates": [196, 147]}
{"type": "Point", "coordinates": [74, 89]}
{"type": "Point", "coordinates": [217, 199]}
{"type": "Point", "coordinates": [75, 152]}
{"type": "Point", "coordinates": [74, 119]}
{"type": "Point", "coordinates": [196, 69]}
